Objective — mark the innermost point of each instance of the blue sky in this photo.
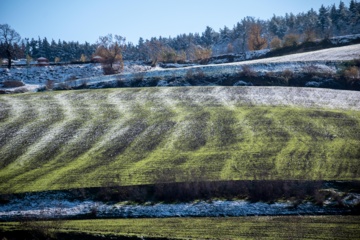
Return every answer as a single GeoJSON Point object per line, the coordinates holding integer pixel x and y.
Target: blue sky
{"type": "Point", "coordinates": [86, 20]}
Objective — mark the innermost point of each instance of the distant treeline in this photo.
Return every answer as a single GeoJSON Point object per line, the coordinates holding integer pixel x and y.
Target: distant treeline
{"type": "Point", "coordinates": [247, 34]}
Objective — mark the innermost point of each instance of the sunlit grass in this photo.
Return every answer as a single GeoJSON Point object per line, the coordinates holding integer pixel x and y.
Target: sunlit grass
{"type": "Point", "coordinates": [75, 139]}
{"type": "Point", "coordinates": [282, 227]}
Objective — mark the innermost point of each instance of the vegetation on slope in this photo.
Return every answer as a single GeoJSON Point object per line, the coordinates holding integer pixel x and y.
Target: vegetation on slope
{"type": "Point", "coordinates": [284, 227]}
{"type": "Point", "coordinates": [78, 139]}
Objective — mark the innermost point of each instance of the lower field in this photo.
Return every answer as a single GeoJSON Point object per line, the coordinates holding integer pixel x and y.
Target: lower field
{"type": "Point", "coordinates": [79, 139]}
{"type": "Point", "coordinates": [285, 227]}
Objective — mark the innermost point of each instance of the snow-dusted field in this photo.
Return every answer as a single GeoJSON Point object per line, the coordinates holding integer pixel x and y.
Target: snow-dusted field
{"type": "Point", "coordinates": [332, 54]}
{"type": "Point", "coordinates": [37, 76]}
{"type": "Point", "coordinates": [57, 205]}
{"type": "Point", "coordinates": [327, 60]}
{"type": "Point", "coordinates": [48, 205]}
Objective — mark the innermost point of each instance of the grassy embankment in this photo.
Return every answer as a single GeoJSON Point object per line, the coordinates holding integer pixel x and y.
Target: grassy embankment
{"type": "Point", "coordinates": [285, 227]}
{"type": "Point", "coordinates": [79, 139]}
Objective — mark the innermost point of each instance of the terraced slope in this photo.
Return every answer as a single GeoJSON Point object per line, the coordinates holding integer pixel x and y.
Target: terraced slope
{"type": "Point", "coordinates": [72, 139]}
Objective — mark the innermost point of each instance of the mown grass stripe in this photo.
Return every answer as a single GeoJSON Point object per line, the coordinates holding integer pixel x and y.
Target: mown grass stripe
{"type": "Point", "coordinates": [134, 136]}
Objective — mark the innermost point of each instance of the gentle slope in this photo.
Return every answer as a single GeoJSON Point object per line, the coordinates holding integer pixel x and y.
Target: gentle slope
{"type": "Point", "coordinates": [74, 139]}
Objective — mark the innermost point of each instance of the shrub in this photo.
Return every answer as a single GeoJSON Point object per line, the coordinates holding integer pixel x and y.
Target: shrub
{"type": "Point", "coordinates": [169, 56]}
{"type": "Point", "coordinates": [108, 69]}
{"type": "Point", "coordinates": [13, 84]}
{"type": "Point", "coordinates": [270, 74]}
{"type": "Point", "coordinates": [352, 73]}
{"type": "Point", "coordinates": [287, 74]}
{"type": "Point", "coordinates": [194, 75]}
{"type": "Point", "coordinates": [246, 71]}
{"type": "Point", "coordinates": [356, 62]}
{"type": "Point", "coordinates": [309, 35]}
{"type": "Point", "coordinates": [275, 43]}
{"type": "Point", "coordinates": [49, 84]}
{"type": "Point", "coordinates": [181, 57]}
{"type": "Point", "coordinates": [291, 40]}
{"type": "Point", "coordinates": [199, 74]}
{"type": "Point", "coordinates": [230, 48]}
{"type": "Point", "coordinates": [202, 53]}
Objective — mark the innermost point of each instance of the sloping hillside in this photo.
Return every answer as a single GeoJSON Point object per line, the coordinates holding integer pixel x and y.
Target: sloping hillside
{"type": "Point", "coordinates": [72, 139]}
{"type": "Point", "coordinates": [317, 66]}
{"type": "Point", "coordinates": [320, 66]}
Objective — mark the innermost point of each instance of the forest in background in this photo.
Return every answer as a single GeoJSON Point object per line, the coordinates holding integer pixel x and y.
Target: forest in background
{"type": "Point", "coordinates": [246, 35]}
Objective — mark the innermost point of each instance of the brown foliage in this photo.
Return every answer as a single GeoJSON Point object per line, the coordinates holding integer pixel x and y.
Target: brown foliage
{"type": "Point", "coordinates": [309, 35]}
{"type": "Point", "coordinates": [255, 40]}
{"type": "Point", "coordinates": [291, 40]}
{"type": "Point", "coordinates": [275, 43]}
{"type": "Point", "coordinates": [202, 53]}
{"type": "Point", "coordinates": [168, 55]}
{"type": "Point", "coordinates": [111, 53]}
{"type": "Point", "coordinates": [352, 73]}
{"type": "Point", "coordinates": [112, 61]}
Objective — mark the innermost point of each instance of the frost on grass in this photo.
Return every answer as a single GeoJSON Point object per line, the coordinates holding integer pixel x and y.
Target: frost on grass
{"type": "Point", "coordinates": [57, 206]}
{"type": "Point", "coordinates": [82, 136]}
{"type": "Point", "coordinates": [325, 61]}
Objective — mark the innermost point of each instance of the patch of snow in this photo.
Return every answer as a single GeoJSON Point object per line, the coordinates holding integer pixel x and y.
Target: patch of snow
{"type": "Point", "coordinates": [256, 54]}
{"type": "Point", "coordinates": [312, 84]}
{"type": "Point", "coordinates": [326, 60]}
{"type": "Point", "coordinates": [242, 83]}
{"type": "Point", "coordinates": [162, 83]}
{"type": "Point", "coordinates": [57, 206]}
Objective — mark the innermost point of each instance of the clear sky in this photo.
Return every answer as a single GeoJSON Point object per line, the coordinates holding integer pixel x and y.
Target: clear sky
{"type": "Point", "coordinates": [86, 20]}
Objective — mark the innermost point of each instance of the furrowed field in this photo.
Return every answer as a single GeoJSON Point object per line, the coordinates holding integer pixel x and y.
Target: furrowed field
{"type": "Point", "coordinates": [79, 139]}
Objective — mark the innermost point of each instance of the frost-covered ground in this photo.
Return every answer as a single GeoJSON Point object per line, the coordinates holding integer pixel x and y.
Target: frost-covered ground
{"type": "Point", "coordinates": [37, 76]}
{"type": "Point", "coordinates": [327, 60]}
{"type": "Point", "coordinates": [58, 205]}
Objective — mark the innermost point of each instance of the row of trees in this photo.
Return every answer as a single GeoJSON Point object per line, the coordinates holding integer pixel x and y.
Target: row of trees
{"type": "Point", "coordinates": [247, 34]}
{"type": "Point", "coordinates": [54, 51]}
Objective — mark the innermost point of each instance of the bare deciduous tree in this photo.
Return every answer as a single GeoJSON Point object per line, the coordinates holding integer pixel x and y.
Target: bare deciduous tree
{"type": "Point", "coordinates": [153, 49]}
{"type": "Point", "coordinates": [8, 37]}
{"type": "Point", "coordinates": [110, 50]}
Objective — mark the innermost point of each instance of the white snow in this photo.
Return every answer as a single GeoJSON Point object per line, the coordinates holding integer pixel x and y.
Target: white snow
{"type": "Point", "coordinates": [326, 60]}
{"type": "Point", "coordinates": [59, 204]}
{"type": "Point", "coordinates": [57, 208]}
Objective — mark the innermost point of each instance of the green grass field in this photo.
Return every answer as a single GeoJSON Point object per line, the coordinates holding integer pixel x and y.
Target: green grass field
{"type": "Point", "coordinates": [284, 227]}
{"type": "Point", "coordinates": [92, 138]}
